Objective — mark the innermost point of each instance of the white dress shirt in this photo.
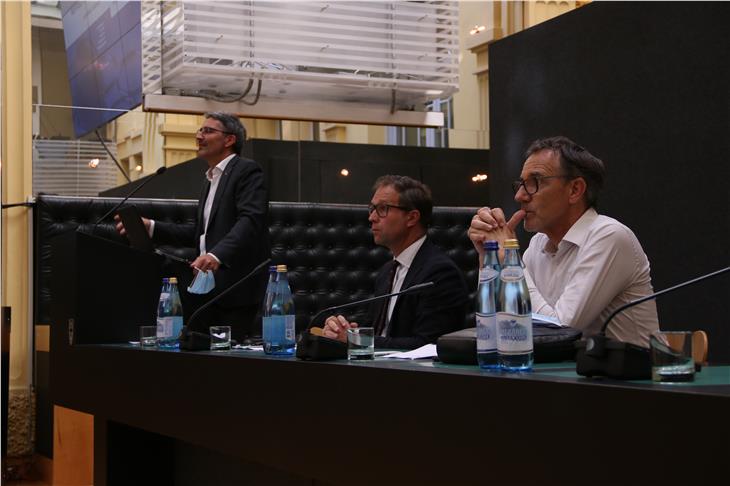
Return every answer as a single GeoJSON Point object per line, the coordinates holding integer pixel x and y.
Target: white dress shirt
{"type": "Point", "coordinates": [405, 260]}
{"type": "Point", "coordinates": [599, 265]}
{"type": "Point", "coordinates": [213, 175]}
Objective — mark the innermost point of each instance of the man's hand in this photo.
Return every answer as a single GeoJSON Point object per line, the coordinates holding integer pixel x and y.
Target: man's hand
{"type": "Point", "coordinates": [490, 224]}
{"type": "Point", "coordinates": [120, 226]}
{"type": "Point", "coordinates": [335, 327]}
{"type": "Point", "coordinates": [204, 263]}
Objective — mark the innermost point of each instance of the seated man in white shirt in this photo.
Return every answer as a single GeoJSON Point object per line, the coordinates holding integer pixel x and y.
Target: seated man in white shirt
{"type": "Point", "coordinates": [581, 266]}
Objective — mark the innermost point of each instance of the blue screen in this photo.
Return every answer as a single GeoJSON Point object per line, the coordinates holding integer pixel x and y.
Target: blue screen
{"type": "Point", "coordinates": [104, 56]}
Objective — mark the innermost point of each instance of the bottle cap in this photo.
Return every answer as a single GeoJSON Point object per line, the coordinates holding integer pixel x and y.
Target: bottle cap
{"type": "Point", "coordinates": [491, 245]}
{"type": "Point", "coordinates": [173, 280]}
{"type": "Point", "coordinates": [511, 245]}
{"type": "Point", "coordinates": [281, 268]}
{"type": "Point", "coordinates": [272, 268]}
{"type": "Point", "coordinates": [165, 280]}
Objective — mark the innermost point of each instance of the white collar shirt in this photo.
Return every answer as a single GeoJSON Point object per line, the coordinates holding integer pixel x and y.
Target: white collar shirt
{"type": "Point", "coordinates": [598, 266]}
{"type": "Point", "coordinates": [213, 175]}
{"type": "Point", "coordinates": [405, 260]}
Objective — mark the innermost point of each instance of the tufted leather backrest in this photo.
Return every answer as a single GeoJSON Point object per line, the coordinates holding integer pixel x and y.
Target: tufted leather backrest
{"type": "Point", "coordinates": [328, 248]}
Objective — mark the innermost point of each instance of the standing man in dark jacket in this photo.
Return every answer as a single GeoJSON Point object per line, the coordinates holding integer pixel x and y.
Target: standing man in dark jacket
{"type": "Point", "coordinates": [400, 212]}
{"type": "Point", "coordinates": [230, 233]}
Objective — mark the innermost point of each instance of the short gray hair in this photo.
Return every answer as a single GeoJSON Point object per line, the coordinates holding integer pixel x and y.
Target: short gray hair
{"type": "Point", "coordinates": [232, 125]}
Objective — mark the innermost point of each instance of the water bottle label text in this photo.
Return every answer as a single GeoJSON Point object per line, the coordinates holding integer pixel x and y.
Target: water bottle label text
{"type": "Point", "coordinates": [514, 333]}
{"type": "Point", "coordinates": [486, 332]}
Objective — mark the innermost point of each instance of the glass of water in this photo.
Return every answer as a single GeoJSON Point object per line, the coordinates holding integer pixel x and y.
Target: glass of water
{"type": "Point", "coordinates": [147, 336]}
{"type": "Point", "coordinates": [360, 343]}
{"type": "Point", "coordinates": [671, 357]}
{"type": "Point", "coordinates": [220, 338]}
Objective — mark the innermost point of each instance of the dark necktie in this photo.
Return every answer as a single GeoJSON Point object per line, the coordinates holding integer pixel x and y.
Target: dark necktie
{"type": "Point", "coordinates": [383, 316]}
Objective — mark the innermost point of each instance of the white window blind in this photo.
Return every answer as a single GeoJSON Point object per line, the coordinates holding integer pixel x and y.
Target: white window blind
{"type": "Point", "coordinates": [397, 54]}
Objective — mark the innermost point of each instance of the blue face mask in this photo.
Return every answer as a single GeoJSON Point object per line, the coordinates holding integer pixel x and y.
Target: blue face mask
{"type": "Point", "coordinates": [203, 283]}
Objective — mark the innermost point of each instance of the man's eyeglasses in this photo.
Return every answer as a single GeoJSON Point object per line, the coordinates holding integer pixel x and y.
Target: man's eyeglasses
{"type": "Point", "coordinates": [532, 184]}
{"type": "Point", "coordinates": [209, 130]}
{"type": "Point", "coordinates": [382, 209]}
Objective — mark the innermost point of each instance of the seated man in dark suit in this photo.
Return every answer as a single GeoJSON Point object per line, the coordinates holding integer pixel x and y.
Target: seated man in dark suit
{"type": "Point", "coordinates": [400, 212]}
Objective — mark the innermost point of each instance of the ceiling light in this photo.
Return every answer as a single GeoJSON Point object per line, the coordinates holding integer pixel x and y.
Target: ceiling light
{"type": "Point", "coordinates": [138, 168]}
{"type": "Point", "coordinates": [93, 163]}
{"type": "Point", "coordinates": [476, 29]}
{"type": "Point", "coordinates": [479, 178]}
{"type": "Point", "coordinates": [344, 172]}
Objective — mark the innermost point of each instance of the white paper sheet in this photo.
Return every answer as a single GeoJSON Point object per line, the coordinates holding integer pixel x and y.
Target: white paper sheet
{"type": "Point", "coordinates": [426, 351]}
{"type": "Point", "coordinates": [546, 321]}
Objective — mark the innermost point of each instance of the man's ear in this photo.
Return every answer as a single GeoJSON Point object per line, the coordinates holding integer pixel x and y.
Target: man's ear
{"type": "Point", "coordinates": [233, 141]}
{"type": "Point", "coordinates": [413, 218]}
{"type": "Point", "coordinates": [578, 189]}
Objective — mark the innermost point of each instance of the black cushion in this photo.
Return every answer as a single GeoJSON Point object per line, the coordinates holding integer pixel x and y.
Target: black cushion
{"type": "Point", "coordinates": [328, 248]}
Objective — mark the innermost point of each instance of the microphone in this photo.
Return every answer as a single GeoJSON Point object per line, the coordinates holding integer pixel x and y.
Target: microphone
{"type": "Point", "coordinates": [412, 288]}
{"type": "Point", "coordinates": [312, 345]}
{"type": "Point", "coordinates": [131, 193]}
{"type": "Point", "coordinates": [196, 341]}
{"type": "Point", "coordinates": [601, 356]}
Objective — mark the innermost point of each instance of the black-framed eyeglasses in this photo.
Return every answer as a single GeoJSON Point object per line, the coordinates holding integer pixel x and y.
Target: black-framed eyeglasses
{"type": "Point", "coordinates": [209, 130]}
{"type": "Point", "coordinates": [532, 183]}
{"type": "Point", "coordinates": [382, 208]}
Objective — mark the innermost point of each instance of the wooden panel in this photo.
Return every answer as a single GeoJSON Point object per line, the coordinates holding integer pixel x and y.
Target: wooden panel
{"type": "Point", "coordinates": [73, 447]}
{"type": "Point", "coordinates": [42, 337]}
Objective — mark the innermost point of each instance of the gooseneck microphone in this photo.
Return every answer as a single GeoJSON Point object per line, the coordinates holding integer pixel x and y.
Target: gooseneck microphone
{"type": "Point", "coordinates": [312, 345]}
{"type": "Point", "coordinates": [193, 341]}
{"type": "Point", "coordinates": [131, 193]}
{"type": "Point", "coordinates": [661, 292]}
{"type": "Point", "coordinates": [412, 288]}
{"type": "Point", "coordinates": [599, 355]}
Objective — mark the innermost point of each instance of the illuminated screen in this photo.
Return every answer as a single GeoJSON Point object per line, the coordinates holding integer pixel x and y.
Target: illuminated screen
{"type": "Point", "coordinates": [104, 56]}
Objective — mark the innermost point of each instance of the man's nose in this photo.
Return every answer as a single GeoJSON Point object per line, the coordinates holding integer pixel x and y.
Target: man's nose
{"type": "Point", "coordinates": [521, 195]}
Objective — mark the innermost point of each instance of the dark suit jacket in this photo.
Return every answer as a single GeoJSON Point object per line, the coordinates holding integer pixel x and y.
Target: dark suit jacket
{"type": "Point", "coordinates": [237, 230]}
{"type": "Point", "coordinates": [420, 318]}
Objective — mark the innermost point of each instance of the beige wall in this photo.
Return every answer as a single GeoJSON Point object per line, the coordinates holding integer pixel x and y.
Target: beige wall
{"type": "Point", "coordinates": [16, 129]}
{"type": "Point", "coordinates": [468, 111]}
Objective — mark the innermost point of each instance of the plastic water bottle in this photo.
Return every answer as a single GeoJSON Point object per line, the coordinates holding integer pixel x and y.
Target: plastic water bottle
{"type": "Point", "coordinates": [169, 315]}
{"type": "Point", "coordinates": [514, 313]}
{"type": "Point", "coordinates": [279, 319]}
{"type": "Point", "coordinates": [486, 307]}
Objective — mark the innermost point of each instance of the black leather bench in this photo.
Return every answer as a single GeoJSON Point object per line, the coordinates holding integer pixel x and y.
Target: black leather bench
{"type": "Point", "coordinates": [328, 248]}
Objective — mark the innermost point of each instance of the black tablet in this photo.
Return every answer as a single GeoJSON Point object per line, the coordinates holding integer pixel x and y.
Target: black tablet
{"type": "Point", "coordinates": [136, 231]}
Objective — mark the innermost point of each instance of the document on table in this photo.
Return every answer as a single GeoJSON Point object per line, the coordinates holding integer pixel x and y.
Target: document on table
{"type": "Point", "coordinates": [547, 321]}
{"type": "Point", "coordinates": [426, 351]}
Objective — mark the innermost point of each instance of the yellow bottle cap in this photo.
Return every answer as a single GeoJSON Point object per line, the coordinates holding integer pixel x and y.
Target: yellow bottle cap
{"type": "Point", "coordinates": [511, 244]}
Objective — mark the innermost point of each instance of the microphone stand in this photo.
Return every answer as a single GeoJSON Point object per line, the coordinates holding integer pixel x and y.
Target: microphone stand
{"type": "Point", "coordinates": [197, 341]}
{"type": "Point", "coordinates": [312, 346]}
{"type": "Point", "coordinates": [134, 191]}
{"type": "Point", "coordinates": [599, 355]}
{"type": "Point", "coordinates": [661, 292]}
{"type": "Point", "coordinates": [412, 288]}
